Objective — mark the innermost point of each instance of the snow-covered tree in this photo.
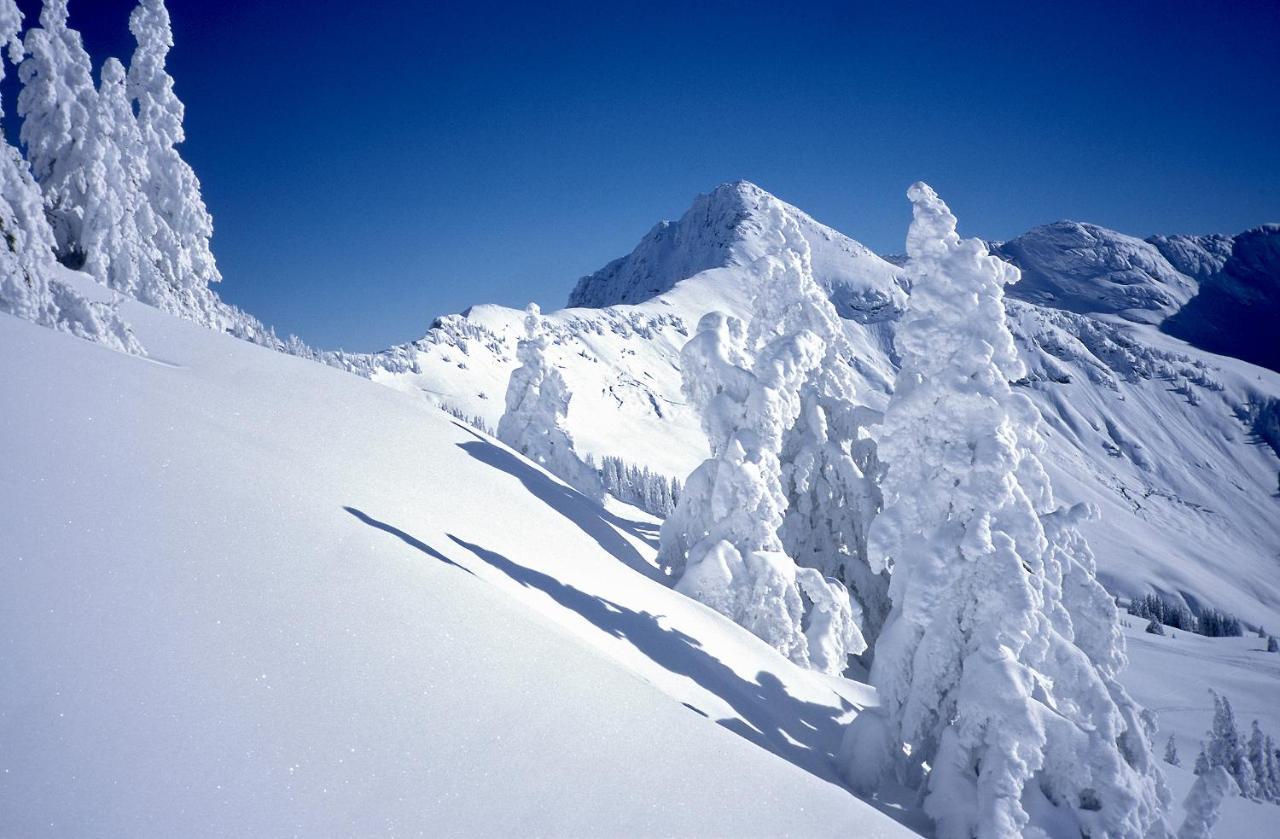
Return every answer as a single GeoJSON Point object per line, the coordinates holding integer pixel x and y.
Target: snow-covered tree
{"type": "Point", "coordinates": [827, 459]}
{"type": "Point", "coordinates": [995, 701]}
{"type": "Point", "coordinates": [28, 288]}
{"type": "Point", "coordinates": [120, 229]}
{"type": "Point", "coordinates": [1171, 752]}
{"type": "Point", "coordinates": [537, 404]}
{"type": "Point", "coordinates": [1256, 752]}
{"type": "Point", "coordinates": [1226, 747]}
{"type": "Point", "coordinates": [183, 226]}
{"type": "Point", "coordinates": [1202, 761]}
{"type": "Point", "coordinates": [722, 542]}
{"type": "Point", "coordinates": [1204, 802]}
{"type": "Point", "coordinates": [1272, 645]}
{"type": "Point", "coordinates": [58, 105]}
{"type": "Point", "coordinates": [1273, 769]}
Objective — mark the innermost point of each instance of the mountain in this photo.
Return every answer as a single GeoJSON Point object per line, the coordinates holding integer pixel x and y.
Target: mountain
{"type": "Point", "coordinates": [1218, 293]}
{"type": "Point", "coordinates": [246, 594]}
{"type": "Point", "coordinates": [728, 228]}
{"type": "Point", "coordinates": [1179, 447]}
{"type": "Point", "coordinates": [249, 595]}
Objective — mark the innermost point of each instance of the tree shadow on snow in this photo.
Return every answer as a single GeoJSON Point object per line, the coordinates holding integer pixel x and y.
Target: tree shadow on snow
{"type": "Point", "coordinates": [590, 517]}
{"type": "Point", "coordinates": [803, 733]}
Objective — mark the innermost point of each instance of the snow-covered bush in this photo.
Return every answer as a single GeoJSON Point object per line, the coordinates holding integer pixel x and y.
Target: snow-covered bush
{"type": "Point", "coordinates": [996, 667]}
{"type": "Point", "coordinates": [1154, 627]}
{"type": "Point", "coordinates": [537, 403]}
{"type": "Point", "coordinates": [722, 542]}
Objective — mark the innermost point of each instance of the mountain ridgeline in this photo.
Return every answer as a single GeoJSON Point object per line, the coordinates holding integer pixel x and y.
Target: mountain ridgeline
{"type": "Point", "coordinates": [1150, 361]}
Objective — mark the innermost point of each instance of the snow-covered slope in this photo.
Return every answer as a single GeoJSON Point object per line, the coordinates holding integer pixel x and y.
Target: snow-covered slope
{"type": "Point", "coordinates": [1089, 269]}
{"type": "Point", "coordinates": [1168, 440]}
{"type": "Point", "coordinates": [242, 594]}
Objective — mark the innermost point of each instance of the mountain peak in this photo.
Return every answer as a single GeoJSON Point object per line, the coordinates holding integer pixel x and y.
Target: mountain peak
{"type": "Point", "coordinates": [728, 227]}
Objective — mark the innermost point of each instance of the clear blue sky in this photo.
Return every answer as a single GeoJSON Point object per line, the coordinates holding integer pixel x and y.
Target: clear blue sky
{"type": "Point", "coordinates": [371, 165]}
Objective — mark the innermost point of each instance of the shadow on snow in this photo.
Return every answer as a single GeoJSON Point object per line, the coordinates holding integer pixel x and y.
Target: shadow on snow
{"type": "Point", "coordinates": [800, 732]}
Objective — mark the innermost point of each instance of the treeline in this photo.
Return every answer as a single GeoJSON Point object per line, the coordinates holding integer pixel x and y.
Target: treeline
{"type": "Point", "coordinates": [1211, 622]}
{"type": "Point", "coordinates": [640, 486]}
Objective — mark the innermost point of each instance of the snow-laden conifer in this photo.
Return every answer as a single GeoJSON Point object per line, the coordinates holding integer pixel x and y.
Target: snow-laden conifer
{"type": "Point", "coordinates": [1226, 747]}
{"type": "Point", "coordinates": [722, 542]}
{"type": "Point", "coordinates": [58, 105]}
{"type": "Point", "coordinates": [120, 229]}
{"type": "Point", "coordinates": [28, 288]}
{"type": "Point", "coordinates": [995, 701]}
{"type": "Point", "coordinates": [537, 403]}
{"type": "Point", "coordinates": [183, 226]}
{"type": "Point", "coordinates": [827, 459]}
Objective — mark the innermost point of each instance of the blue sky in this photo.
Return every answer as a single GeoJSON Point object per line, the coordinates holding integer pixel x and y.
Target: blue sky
{"type": "Point", "coordinates": [372, 165]}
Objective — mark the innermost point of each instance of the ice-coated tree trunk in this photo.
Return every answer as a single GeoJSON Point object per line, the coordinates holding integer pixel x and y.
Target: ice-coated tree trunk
{"type": "Point", "coordinates": [996, 666]}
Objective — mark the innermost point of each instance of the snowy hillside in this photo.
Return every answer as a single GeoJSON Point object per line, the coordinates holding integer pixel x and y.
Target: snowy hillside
{"type": "Point", "coordinates": [245, 594]}
{"type": "Point", "coordinates": [1177, 446]}
{"type": "Point", "coordinates": [248, 595]}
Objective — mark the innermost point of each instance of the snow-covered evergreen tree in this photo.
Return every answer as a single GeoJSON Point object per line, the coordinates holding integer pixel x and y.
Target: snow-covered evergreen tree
{"type": "Point", "coordinates": [1256, 752]}
{"type": "Point", "coordinates": [826, 457]}
{"type": "Point", "coordinates": [1226, 747]}
{"type": "Point", "coordinates": [120, 229]}
{"type": "Point", "coordinates": [993, 701]}
{"type": "Point", "coordinates": [59, 105]}
{"type": "Point", "coordinates": [722, 542]}
{"type": "Point", "coordinates": [537, 404]}
{"type": "Point", "coordinates": [183, 226]}
{"type": "Point", "coordinates": [640, 486]}
{"type": "Point", "coordinates": [28, 288]}
{"type": "Point", "coordinates": [1171, 752]}
{"type": "Point", "coordinates": [1204, 802]}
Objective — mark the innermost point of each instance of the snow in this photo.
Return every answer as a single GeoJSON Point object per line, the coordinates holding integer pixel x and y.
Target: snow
{"type": "Point", "coordinates": [245, 594]}
{"type": "Point", "coordinates": [201, 639]}
{"type": "Point", "coordinates": [1158, 435]}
